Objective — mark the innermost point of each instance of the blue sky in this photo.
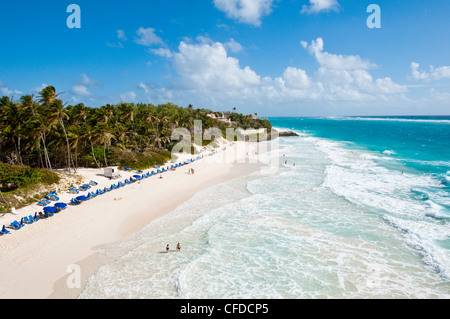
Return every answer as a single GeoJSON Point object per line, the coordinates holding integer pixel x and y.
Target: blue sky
{"type": "Point", "coordinates": [272, 57]}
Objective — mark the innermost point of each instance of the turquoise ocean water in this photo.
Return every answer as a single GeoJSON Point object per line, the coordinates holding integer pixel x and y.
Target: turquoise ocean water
{"type": "Point", "coordinates": [359, 208]}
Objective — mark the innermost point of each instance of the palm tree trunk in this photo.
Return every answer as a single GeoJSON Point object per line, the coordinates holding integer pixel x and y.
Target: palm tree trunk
{"type": "Point", "coordinates": [20, 155]}
{"type": "Point", "coordinates": [47, 158]}
{"type": "Point", "coordinates": [104, 155]}
{"type": "Point", "coordinates": [93, 155]}
{"type": "Point", "coordinates": [69, 157]}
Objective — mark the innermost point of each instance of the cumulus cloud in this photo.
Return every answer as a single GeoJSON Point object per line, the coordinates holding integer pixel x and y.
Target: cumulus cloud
{"type": "Point", "coordinates": [439, 73]}
{"type": "Point", "coordinates": [208, 67]}
{"type": "Point", "coordinates": [205, 71]}
{"type": "Point", "coordinates": [147, 37]}
{"type": "Point", "coordinates": [245, 11]}
{"type": "Point", "coordinates": [296, 78]}
{"type": "Point", "coordinates": [316, 6]}
{"type": "Point", "coordinates": [334, 61]}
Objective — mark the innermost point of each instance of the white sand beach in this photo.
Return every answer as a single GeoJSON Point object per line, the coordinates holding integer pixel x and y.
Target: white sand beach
{"type": "Point", "coordinates": [37, 256]}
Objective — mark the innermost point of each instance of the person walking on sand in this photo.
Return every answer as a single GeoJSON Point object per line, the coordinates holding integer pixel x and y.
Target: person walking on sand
{"type": "Point", "coordinates": [178, 247]}
{"type": "Point", "coordinates": [167, 248]}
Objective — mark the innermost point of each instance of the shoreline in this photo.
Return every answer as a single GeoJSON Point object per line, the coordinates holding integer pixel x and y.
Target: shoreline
{"type": "Point", "coordinates": [36, 261]}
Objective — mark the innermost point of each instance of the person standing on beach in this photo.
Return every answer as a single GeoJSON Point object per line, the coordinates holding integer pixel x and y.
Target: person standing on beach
{"type": "Point", "coordinates": [167, 248]}
{"type": "Point", "coordinates": [178, 247]}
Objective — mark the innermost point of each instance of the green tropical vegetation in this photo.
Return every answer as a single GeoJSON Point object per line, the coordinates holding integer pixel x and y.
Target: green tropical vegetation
{"type": "Point", "coordinates": [44, 133]}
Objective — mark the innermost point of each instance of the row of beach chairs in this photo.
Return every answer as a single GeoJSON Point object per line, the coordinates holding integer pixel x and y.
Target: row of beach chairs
{"type": "Point", "coordinates": [49, 211]}
{"type": "Point", "coordinates": [27, 220]}
{"type": "Point", "coordinates": [84, 187]}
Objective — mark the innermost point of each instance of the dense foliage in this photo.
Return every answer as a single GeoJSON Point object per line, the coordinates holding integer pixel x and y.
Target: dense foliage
{"type": "Point", "coordinates": [43, 132]}
{"type": "Point", "coordinates": [13, 176]}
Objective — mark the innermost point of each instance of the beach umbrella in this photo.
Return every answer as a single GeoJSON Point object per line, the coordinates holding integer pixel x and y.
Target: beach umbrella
{"type": "Point", "coordinates": [61, 205]}
{"type": "Point", "coordinates": [82, 198]}
{"type": "Point", "coordinates": [50, 209]}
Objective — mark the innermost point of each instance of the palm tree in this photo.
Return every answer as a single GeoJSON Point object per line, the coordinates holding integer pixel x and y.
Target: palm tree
{"type": "Point", "coordinates": [104, 136]}
{"type": "Point", "coordinates": [90, 135]}
{"type": "Point", "coordinates": [12, 121]}
{"type": "Point", "coordinates": [46, 97]}
{"type": "Point", "coordinates": [27, 102]}
{"type": "Point", "coordinates": [57, 115]}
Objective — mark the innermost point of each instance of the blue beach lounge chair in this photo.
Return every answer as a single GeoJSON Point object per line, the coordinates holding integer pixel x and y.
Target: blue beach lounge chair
{"type": "Point", "coordinates": [93, 183]}
{"type": "Point", "coordinates": [42, 216]}
{"type": "Point", "coordinates": [50, 210]}
{"type": "Point", "coordinates": [27, 220]}
{"type": "Point", "coordinates": [21, 223]}
{"type": "Point", "coordinates": [15, 225]}
{"type": "Point", "coordinates": [73, 190]}
{"type": "Point", "coordinates": [75, 201]}
{"type": "Point", "coordinates": [34, 219]}
{"type": "Point", "coordinates": [4, 231]}
{"type": "Point", "coordinates": [61, 205]}
{"type": "Point", "coordinates": [52, 196]}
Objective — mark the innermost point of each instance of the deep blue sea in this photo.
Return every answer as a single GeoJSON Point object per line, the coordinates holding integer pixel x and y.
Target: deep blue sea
{"type": "Point", "coordinates": [358, 207]}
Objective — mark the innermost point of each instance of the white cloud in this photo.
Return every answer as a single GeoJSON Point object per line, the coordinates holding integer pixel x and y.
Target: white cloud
{"type": "Point", "coordinates": [86, 81]}
{"type": "Point", "coordinates": [296, 78]}
{"type": "Point", "coordinates": [208, 67]}
{"type": "Point", "coordinates": [144, 87]}
{"type": "Point", "coordinates": [162, 52]}
{"type": "Point", "coordinates": [80, 90]}
{"type": "Point", "coordinates": [439, 73]}
{"type": "Point", "coordinates": [147, 37]}
{"type": "Point", "coordinates": [316, 6]}
{"type": "Point", "coordinates": [121, 35]}
{"type": "Point", "coordinates": [39, 89]}
{"type": "Point", "coordinates": [206, 74]}
{"type": "Point", "coordinates": [128, 97]}
{"type": "Point", "coordinates": [4, 90]}
{"type": "Point", "coordinates": [245, 11]}
{"type": "Point", "coordinates": [81, 87]}
{"type": "Point", "coordinates": [334, 61]}
{"type": "Point", "coordinates": [233, 46]}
